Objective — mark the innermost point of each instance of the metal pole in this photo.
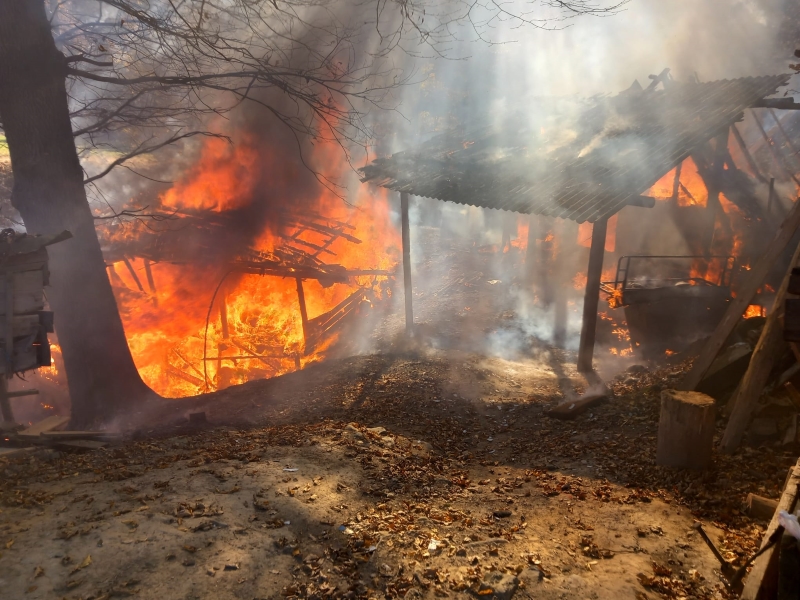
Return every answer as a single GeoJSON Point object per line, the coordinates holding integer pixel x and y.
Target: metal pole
{"type": "Point", "coordinates": [591, 298]}
{"type": "Point", "coordinates": [407, 262]}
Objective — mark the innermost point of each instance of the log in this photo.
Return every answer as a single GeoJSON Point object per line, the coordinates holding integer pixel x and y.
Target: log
{"type": "Point", "coordinates": [685, 430]}
{"type": "Point", "coordinates": [752, 281]}
{"type": "Point", "coordinates": [572, 408]}
{"type": "Point", "coordinates": [755, 579]}
{"type": "Point", "coordinates": [767, 350]}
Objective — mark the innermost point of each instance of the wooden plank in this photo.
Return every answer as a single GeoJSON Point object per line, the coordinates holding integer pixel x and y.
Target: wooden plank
{"type": "Point", "coordinates": [750, 284]}
{"type": "Point", "coordinates": [51, 423]}
{"type": "Point", "coordinates": [9, 452]}
{"type": "Point", "coordinates": [591, 298]}
{"type": "Point", "coordinates": [787, 502]}
{"type": "Point", "coordinates": [767, 351]}
{"type": "Point", "coordinates": [407, 287]}
{"type": "Point", "coordinates": [301, 298]}
{"type": "Point", "coordinates": [81, 435]}
{"type": "Point", "coordinates": [28, 287]}
{"type": "Point", "coordinates": [23, 326]}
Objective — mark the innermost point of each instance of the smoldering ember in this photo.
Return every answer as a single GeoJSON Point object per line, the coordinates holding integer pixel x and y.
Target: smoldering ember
{"type": "Point", "coordinates": [432, 299]}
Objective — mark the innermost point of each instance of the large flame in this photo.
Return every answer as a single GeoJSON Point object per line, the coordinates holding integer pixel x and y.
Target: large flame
{"type": "Point", "coordinates": [183, 343]}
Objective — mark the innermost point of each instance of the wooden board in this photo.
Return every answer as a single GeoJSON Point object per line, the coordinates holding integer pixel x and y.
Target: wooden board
{"type": "Point", "coordinates": [51, 423]}
{"type": "Point", "coordinates": [24, 325]}
{"type": "Point", "coordinates": [9, 452]}
{"type": "Point", "coordinates": [755, 578]}
{"type": "Point", "coordinates": [28, 292]}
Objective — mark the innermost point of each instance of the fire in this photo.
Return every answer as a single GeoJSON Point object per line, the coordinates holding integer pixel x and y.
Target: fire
{"type": "Point", "coordinates": [755, 310]}
{"type": "Point", "coordinates": [186, 338]}
{"type": "Point", "coordinates": [691, 187]}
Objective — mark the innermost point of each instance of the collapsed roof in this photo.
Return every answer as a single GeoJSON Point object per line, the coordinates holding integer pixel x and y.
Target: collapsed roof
{"type": "Point", "coordinates": [582, 160]}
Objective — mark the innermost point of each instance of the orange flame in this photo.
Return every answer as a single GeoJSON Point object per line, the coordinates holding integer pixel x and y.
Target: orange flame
{"type": "Point", "coordinates": [254, 327]}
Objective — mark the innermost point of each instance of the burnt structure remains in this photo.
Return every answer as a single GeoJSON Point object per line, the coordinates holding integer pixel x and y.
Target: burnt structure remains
{"type": "Point", "coordinates": [585, 161]}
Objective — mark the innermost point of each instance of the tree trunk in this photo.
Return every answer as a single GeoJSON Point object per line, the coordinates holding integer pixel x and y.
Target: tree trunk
{"type": "Point", "coordinates": [49, 194]}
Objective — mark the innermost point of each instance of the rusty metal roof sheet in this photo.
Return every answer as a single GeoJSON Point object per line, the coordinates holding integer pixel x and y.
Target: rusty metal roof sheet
{"type": "Point", "coordinates": [579, 160]}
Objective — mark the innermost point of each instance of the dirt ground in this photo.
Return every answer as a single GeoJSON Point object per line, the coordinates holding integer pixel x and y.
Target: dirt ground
{"type": "Point", "coordinates": [418, 474]}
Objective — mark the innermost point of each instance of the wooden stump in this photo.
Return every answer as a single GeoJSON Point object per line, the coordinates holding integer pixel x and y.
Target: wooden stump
{"type": "Point", "coordinates": [685, 430]}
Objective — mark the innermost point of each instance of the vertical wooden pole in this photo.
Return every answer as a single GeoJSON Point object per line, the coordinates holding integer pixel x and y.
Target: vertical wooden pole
{"type": "Point", "coordinates": [771, 197]}
{"type": "Point", "coordinates": [676, 184]}
{"type": "Point", "coordinates": [714, 186]}
{"type": "Point", "coordinates": [5, 403]}
{"type": "Point", "coordinates": [148, 271]}
{"type": "Point", "coordinates": [301, 298]}
{"type": "Point", "coordinates": [530, 251]}
{"type": "Point", "coordinates": [407, 262]}
{"type": "Point", "coordinates": [133, 274]}
{"type": "Point", "coordinates": [591, 298]}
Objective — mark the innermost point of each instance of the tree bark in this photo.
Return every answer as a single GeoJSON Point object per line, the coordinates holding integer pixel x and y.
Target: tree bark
{"type": "Point", "coordinates": [50, 196]}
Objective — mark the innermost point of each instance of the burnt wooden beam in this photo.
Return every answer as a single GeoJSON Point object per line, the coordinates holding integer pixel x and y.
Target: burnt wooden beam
{"type": "Point", "coordinates": [642, 201]}
{"type": "Point", "coordinates": [301, 298]}
{"type": "Point", "coordinates": [751, 281]}
{"type": "Point", "coordinates": [407, 287]}
{"type": "Point", "coordinates": [747, 156]}
{"type": "Point", "coordinates": [775, 153]}
{"type": "Point", "coordinates": [779, 103]}
{"type": "Point", "coordinates": [768, 349]}
{"type": "Point", "coordinates": [148, 271]}
{"type": "Point", "coordinates": [133, 274]}
{"type": "Point", "coordinates": [713, 181]}
{"type": "Point", "coordinates": [591, 298]}
{"type": "Point", "coordinates": [771, 196]}
{"type": "Point", "coordinates": [530, 251]}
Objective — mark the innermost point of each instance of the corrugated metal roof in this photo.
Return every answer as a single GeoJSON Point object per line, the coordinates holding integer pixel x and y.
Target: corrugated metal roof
{"type": "Point", "coordinates": [579, 160]}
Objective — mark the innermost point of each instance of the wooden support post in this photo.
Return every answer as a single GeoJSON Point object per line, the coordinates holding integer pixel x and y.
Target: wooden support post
{"type": "Point", "coordinates": [545, 255]}
{"type": "Point", "coordinates": [766, 352]}
{"type": "Point", "coordinates": [406, 233]}
{"type": "Point", "coordinates": [148, 271]}
{"type": "Point", "coordinates": [133, 274]}
{"type": "Point", "coordinates": [530, 251]}
{"type": "Point", "coordinates": [685, 430]}
{"type": "Point", "coordinates": [223, 315]}
{"type": "Point", "coordinates": [301, 298]}
{"type": "Point", "coordinates": [771, 197]}
{"type": "Point", "coordinates": [714, 187]}
{"type": "Point", "coordinates": [591, 298]}
{"type": "Point", "coordinates": [676, 185]}
{"type": "Point", "coordinates": [750, 284]}
{"type": "Point", "coordinates": [747, 156]}
{"type": "Point", "coordinates": [5, 403]}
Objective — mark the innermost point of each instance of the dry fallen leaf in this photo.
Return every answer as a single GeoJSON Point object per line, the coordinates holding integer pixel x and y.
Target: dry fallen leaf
{"type": "Point", "coordinates": [38, 572]}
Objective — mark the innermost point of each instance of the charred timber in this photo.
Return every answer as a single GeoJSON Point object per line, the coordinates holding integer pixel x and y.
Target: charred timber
{"type": "Point", "coordinates": [777, 103]}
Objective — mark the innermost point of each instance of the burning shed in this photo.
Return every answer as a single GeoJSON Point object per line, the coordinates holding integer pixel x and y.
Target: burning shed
{"type": "Point", "coordinates": [585, 161]}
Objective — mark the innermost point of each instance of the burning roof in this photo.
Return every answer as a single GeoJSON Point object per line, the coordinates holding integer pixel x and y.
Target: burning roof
{"type": "Point", "coordinates": [578, 160]}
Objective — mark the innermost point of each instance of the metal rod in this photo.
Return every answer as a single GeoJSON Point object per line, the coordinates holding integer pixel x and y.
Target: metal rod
{"type": "Point", "coordinates": [407, 287]}
{"type": "Point", "coordinates": [591, 298]}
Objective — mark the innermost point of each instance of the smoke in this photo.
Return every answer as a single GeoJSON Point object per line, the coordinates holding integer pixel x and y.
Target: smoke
{"type": "Point", "coordinates": [488, 81]}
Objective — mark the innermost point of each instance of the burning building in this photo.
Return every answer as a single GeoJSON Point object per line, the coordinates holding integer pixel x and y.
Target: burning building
{"type": "Point", "coordinates": [585, 161]}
